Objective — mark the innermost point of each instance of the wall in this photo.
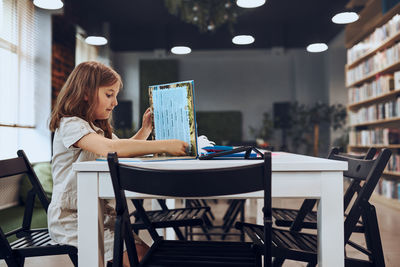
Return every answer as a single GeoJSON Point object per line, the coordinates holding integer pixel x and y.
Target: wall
{"type": "Point", "coordinates": [335, 79]}
{"type": "Point", "coordinates": [63, 54]}
{"type": "Point", "coordinates": [127, 65]}
{"type": "Point", "coordinates": [244, 80]}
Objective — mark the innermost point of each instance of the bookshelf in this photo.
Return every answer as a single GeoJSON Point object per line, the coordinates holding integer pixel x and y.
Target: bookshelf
{"type": "Point", "coordinates": [386, 43]}
{"type": "Point", "coordinates": [369, 101]}
{"type": "Point", "coordinates": [373, 81]}
{"type": "Point", "coordinates": [360, 147]}
{"type": "Point", "coordinates": [377, 122]}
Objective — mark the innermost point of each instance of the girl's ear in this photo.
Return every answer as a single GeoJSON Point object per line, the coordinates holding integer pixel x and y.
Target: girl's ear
{"type": "Point", "coordinates": [85, 97]}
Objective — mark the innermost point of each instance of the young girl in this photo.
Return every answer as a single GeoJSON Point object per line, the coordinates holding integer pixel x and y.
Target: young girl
{"type": "Point", "coordinates": [81, 122]}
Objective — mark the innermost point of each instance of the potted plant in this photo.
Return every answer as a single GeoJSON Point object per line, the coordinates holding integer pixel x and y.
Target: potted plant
{"type": "Point", "coordinates": [305, 123]}
{"type": "Point", "coordinates": [265, 132]}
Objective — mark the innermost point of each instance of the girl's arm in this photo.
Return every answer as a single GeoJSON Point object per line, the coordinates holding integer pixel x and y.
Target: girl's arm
{"type": "Point", "coordinates": [100, 145]}
{"type": "Point", "coordinates": [147, 126]}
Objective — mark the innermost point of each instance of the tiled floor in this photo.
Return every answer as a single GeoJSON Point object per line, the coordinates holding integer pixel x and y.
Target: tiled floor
{"type": "Point", "coordinates": [389, 219]}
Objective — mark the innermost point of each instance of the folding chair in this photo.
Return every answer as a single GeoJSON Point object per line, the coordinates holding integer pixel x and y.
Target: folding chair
{"type": "Point", "coordinates": [303, 247]}
{"type": "Point", "coordinates": [186, 184]}
{"type": "Point", "coordinates": [305, 217]}
{"type": "Point", "coordinates": [31, 242]}
{"type": "Point", "coordinates": [234, 211]}
{"type": "Point", "coordinates": [175, 218]}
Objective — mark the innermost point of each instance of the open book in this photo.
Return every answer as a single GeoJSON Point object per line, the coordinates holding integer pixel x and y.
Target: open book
{"type": "Point", "coordinates": [174, 114]}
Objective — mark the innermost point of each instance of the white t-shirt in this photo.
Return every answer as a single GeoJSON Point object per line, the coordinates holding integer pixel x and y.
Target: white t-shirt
{"type": "Point", "coordinates": [62, 214]}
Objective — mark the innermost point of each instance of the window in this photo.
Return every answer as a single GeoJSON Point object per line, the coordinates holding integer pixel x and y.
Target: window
{"type": "Point", "coordinates": [17, 83]}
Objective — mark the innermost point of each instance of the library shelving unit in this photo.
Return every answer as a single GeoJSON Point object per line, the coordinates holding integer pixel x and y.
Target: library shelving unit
{"type": "Point", "coordinates": [373, 81]}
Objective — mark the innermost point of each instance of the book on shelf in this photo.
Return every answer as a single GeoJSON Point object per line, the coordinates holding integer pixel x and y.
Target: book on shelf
{"type": "Point", "coordinates": [388, 188]}
{"type": "Point", "coordinates": [377, 136]}
{"type": "Point", "coordinates": [396, 79]}
{"type": "Point", "coordinates": [380, 86]}
{"type": "Point", "coordinates": [374, 40]}
{"type": "Point", "coordinates": [393, 165]}
{"type": "Point", "coordinates": [376, 112]}
{"type": "Point", "coordinates": [374, 64]}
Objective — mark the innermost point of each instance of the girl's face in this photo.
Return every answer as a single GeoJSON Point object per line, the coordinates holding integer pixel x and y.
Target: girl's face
{"type": "Point", "coordinates": [106, 101]}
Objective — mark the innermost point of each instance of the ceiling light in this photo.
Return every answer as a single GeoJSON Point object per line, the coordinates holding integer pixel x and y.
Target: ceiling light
{"type": "Point", "coordinates": [345, 17]}
{"type": "Point", "coordinates": [243, 39]}
{"type": "Point", "coordinates": [96, 40]}
{"type": "Point", "coordinates": [317, 47]}
{"type": "Point", "coordinates": [48, 4]}
{"type": "Point", "coordinates": [181, 50]}
{"type": "Point", "coordinates": [250, 3]}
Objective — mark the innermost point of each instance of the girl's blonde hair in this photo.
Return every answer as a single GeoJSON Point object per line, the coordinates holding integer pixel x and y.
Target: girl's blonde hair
{"type": "Point", "coordinates": [83, 83]}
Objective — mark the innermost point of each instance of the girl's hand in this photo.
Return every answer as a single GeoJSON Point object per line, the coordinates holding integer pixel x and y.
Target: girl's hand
{"type": "Point", "coordinates": [146, 128]}
{"type": "Point", "coordinates": [176, 147]}
{"type": "Point", "coordinates": [147, 125]}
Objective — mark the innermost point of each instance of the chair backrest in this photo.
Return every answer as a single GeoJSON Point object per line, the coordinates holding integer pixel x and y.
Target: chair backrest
{"type": "Point", "coordinates": [21, 165]}
{"type": "Point", "coordinates": [354, 185]}
{"type": "Point", "coordinates": [368, 173]}
{"type": "Point", "coordinates": [308, 204]}
{"type": "Point", "coordinates": [193, 183]}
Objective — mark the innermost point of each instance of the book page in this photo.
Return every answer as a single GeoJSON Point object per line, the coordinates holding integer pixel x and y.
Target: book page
{"type": "Point", "coordinates": [173, 113]}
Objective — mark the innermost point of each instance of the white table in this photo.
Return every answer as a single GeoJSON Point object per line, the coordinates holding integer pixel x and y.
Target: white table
{"type": "Point", "coordinates": [292, 176]}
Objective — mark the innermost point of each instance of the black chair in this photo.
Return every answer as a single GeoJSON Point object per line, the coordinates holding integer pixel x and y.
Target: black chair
{"type": "Point", "coordinates": [30, 242]}
{"type": "Point", "coordinates": [305, 217]}
{"type": "Point", "coordinates": [235, 210]}
{"type": "Point", "coordinates": [175, 218]}
{"type": "Point", "coordinates": [303, 247]}
{"type": "Point", "coordinates": [186, 184]}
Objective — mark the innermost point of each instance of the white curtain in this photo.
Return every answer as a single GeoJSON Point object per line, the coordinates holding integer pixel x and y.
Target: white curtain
{"type": "Point", "coordinates": [17, 77]}
{"type": "Point", "coordinates": [84, 51]}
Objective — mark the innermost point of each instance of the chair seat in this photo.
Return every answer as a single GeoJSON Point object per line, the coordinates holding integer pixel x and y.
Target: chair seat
{"type": "Point", "coordinates": [234, 210]}
{"type": "Point", "coordinates": [301, 245]}
{"type": "Point", "coordinates": [291, 245]}
{"type": "Point", "coordinates": [201, 253]}
{"type": "Point", "coordinates": [37, 242]}
{"type": "Point", "coordinates": [294, 240]}
{"type": "Point", "coordinates": [173, 217]}
{"type": "Point", "coordinates": [285, 218]}
{"type": "Point", "coordinates": [294, 245]}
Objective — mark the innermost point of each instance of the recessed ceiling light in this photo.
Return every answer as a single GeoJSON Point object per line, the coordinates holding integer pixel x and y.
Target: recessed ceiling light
{"type": "Point", "coordinates": [243, 39]}
{"type": "Point", "coordinates": [345, 17]}
{"type": "Point", "coordinates": [48, 4]}
{"type": "Point", "coordinates": [181, 50]}
{"type": "Point", "coordinates": [317, 47]}
{"type": "Point", "coordinates": [250, 3]}
{"type": "Point", "coordinates": [96, 40]}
